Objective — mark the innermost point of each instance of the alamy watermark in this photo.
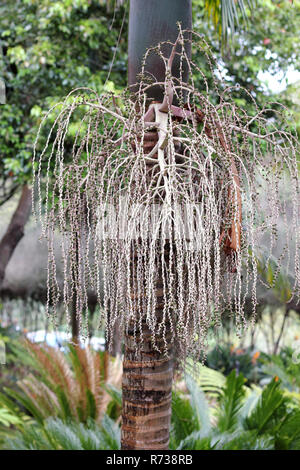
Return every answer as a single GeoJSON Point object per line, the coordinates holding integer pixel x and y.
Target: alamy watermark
{"type": "Point", "coordinates": [126, 221]}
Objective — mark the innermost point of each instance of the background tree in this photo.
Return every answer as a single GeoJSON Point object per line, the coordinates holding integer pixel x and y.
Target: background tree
{"type": "Point", "coordinates": [37, 71]}
{"type": "Point", "coordinates": [35, 36]}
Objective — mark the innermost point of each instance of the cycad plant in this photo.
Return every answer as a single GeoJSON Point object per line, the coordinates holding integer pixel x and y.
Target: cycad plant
{"type": "Point", "coordinates": [65, 385]}
{"type": "Point", "coordinates": [56, 434]}
{"type": "Point", "coordinates": [238, 420]}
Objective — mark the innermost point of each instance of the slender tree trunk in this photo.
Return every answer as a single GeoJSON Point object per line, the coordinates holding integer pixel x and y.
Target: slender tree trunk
{"type": "Point", "coordinates": [285, 317]}
{"type": "Point", "coordinates": [15, 230]}
{"type": "Point", "coordinates": [75, 327]}
{"type": "Point", "coordinates": [147, 389]}
{"type": "Point", "coordinates": [114, 339]}
{"type": "Point", "coordinates": [148, 374]}
{"type": "Point", "coordinates": [75, 321]}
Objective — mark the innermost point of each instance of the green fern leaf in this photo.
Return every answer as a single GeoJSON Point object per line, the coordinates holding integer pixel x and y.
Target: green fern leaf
{"type": "Point", "coordinates": [269, 412]}
{"type": "Point", "coordinates": [183, 421]}
{"type": "Point", "coordinates": [196, 441]}
{"type": "Point", "coordinates": [200, 406]}
{"type": "Point", "coordinates": [91, 407]}
{"type": "Point", "coordinates": [231, 402]}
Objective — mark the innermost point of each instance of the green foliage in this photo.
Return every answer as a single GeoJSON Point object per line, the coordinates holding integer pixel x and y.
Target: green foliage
{"type": "Point", "coordinates": [111, 4]}
{"type": "Point", "coordinates": [243, 440]}
{"type": "Point", "coordinates": [10, 418]}
{"type": "Point", "coordinates": [13, 368]}
{"type": "Point", "coordinates": [225, 359]}
{"type": "Point", "coordinates": [7, 418]}
{"type": "Point", "coordinates": [269, 410]}
{"type": "Point", "coordinates": [267, 43]}
{"type": "Point", "coordinates": [243, 421]}
{"type": "Point", "coordinates": [226, 14]}
{"type": "Point", "coordinates": [183, 419]}
{"type": "Point", "coordinates": [285, 368]}
{"type": "Point", "coordinates": [275, 278]}
{"type": "Point", "coordinates": [114, 407]}
{"type": "Point", "coordinates": [272, 416]}
{"type": "Point", "coordinates": [211, 381]}
{"type": "Point", "coordinates": [200, 405]}
{"type": "Point", "coordinates": [114, 393]}
{"type": "Point", "coordinates": [231, 402]}
{"type": "Point", "coordinates": [46, 49]}
{"type": "Point", "coordinates": [288, 437]}
{"type": "Point", "coordinates": [68, 386]}
{"type": "Point", "coordinates": [55, 434]}
{"type": "Point", "coordinates": [195, 441]}
{"type": "Point", "coordinates": [111, 434]}
{"type": "Point", "coordinates": [238, 420]}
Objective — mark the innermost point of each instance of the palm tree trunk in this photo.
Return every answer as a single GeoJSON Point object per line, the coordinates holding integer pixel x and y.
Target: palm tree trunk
{"type": "Point", "coordinates": [148, 373]}
{"type": "Point", "coordinates": [152, 22]}
{"type": "Point", "coordinates": [147, 388]}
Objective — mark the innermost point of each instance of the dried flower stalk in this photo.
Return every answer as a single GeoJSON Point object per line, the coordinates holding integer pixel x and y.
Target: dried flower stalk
{"type": "Point", "coordinates": [146, 179]}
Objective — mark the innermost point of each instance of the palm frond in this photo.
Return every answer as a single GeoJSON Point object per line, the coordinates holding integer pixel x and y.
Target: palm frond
{"type": "Point", "coordinates": [209, 380]}
{"type": "Point", "coordinates": [288, 437]}
{"type": "Point", "coordinates": [226, 14]}
{"type": "Point", "coordinates": [183, 420]}
{"type": "Point", "coordinates": [56, 434]}
{"type": "Point", "coordinates": [249, 404]}
{"type": "Point", "coordinates": [231, 402]}
{"type": "Point", "coordinates": [40, 395]}
{"type": "Point", "coordinates": [31, 438]}
{"type": "Point", "coordinates": [242, 440]}
{"type": "Point", "coordinates": [114, 393]}
{"type": "Point", "coordinates": [8, 418]}
{"type": "Point", "coordinates": [270, 410]}
{"type": "Point", "coordinates": [200, 407]}
{"type": "Point", "coordinates": [65, 385]}
{"type": "Point", "coordinates": [64, 435]}
{"type": "Point", "coordinates": [26, 402]}
{"type": "Point", "coordinates": [111, 434]}
{"type": "Point", "coordinates": [52, 366]}
{"type": "Point", "coordinates": [196, 441]}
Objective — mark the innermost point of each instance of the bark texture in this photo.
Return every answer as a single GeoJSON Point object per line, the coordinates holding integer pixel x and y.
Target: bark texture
{"type": "Point", "coordinates": [15, 230]}
{"type": "Point", "coordinates": [147, 393]}
{"type": "Point", "coordinates": [147, 371]}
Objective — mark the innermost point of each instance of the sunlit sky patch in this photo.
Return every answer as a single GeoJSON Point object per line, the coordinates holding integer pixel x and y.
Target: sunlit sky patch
{"type": "Point", "coordinates": [278, 82]}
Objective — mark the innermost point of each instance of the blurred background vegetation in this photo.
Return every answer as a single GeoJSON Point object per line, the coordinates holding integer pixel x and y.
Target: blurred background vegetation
{"type": "Point", "coordinates": [248, 393]}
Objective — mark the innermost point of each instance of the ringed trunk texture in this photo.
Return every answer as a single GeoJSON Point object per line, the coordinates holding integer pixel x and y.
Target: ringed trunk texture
{"type": "Point", "coordinates": [147, 370]}
{"type": "Point", "coordinates": [147, 391]}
